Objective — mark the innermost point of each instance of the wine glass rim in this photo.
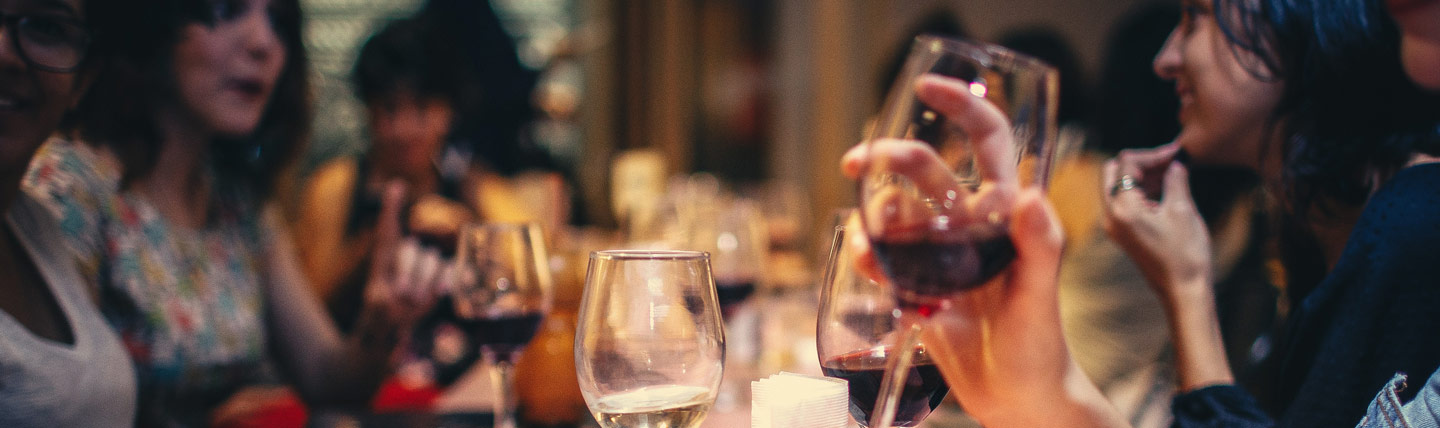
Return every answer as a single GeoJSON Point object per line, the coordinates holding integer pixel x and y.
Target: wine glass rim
{"type": "Point", "coordinates": [978, 49]}
{"type": "Point", "coordinates": [649, 255]}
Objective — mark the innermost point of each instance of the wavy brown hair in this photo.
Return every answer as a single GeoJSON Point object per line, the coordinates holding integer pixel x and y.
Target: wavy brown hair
{"type": "Point", "coordinates": [121, 109]}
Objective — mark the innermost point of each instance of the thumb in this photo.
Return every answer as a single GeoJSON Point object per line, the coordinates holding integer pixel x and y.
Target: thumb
{"type": "Point", "coordinates": [387, 230]}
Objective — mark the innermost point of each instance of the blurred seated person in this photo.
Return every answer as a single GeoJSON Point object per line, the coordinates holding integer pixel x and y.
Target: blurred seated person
{"type": "Point", "coordinates": [406, 84]}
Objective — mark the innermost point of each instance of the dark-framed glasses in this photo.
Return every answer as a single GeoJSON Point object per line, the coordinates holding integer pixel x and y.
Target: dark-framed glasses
{"type": "Point", "coordinates": [50, 43]}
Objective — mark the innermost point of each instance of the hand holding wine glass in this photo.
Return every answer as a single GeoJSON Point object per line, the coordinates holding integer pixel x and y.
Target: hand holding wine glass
{"type": "Point", "coordinates": [957, 165]}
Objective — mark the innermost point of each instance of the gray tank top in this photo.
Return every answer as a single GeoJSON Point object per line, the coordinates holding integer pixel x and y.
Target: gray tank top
{"type": "Point", "coordinates": [44, 383]}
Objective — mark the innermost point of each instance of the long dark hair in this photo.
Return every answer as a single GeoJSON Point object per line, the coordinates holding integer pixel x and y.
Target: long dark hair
{"type": "Point", "coordinates": [120, 111]}
{"type": "Point", "coordinates": [1350, 116]}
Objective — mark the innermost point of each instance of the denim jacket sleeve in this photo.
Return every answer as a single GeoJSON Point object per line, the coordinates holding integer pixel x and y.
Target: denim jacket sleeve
{"type": "Point", "coordinates": [1386, 411]}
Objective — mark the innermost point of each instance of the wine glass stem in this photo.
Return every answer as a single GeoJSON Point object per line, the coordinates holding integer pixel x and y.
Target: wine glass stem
{"type": "Point", "coordinates": [897, 367]}
{"type": "Point", "coordinates": [502, 379]}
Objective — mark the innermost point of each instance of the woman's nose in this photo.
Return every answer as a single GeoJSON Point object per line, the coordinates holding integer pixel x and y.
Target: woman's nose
{"type": "Point", "coordinates": [1168, 60]}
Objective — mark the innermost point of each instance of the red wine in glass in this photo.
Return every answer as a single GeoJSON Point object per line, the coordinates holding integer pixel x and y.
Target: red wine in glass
{"type": "Point", "coordinates": [732, 293]}
{"type": "Point", "coordinates": [924, 387]}
{"type": "Point", "coordinates": [504, 335]}
{"type": "Point", "coordinates": [925, 272]}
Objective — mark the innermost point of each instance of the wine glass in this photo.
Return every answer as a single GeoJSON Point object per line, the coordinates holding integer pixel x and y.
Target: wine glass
{"type": "Point", "coordinates": [855, 332]}
{"type": "Point", "coordinates": [934, 202]}
{"type": "Point", "coordinates": [650, 347]}
{"type": "Point", "coordinates": [735, 235]}
{"type": "Point", "coordinates": [503, 289]}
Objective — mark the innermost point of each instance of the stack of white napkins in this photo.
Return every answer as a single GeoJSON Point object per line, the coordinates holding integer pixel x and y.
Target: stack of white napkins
{"type": "Point", "coordinates": [789, 400]}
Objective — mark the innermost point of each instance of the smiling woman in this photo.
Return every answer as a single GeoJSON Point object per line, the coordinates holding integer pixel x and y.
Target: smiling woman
{"type": "Point", "coordinates": [60, 365]}
{"type": "Point", "coordinates": [171, 217]}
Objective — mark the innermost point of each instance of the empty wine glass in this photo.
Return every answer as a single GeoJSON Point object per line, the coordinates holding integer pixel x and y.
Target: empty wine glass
{"type": "Point", "coordinates": [503, 289]}
{"type": "Point", "coordinates": [935, 202]}
{"type": "Point", "coordinates": [650, 347]}
{"type": "Point", "coordinates": [855, 332]}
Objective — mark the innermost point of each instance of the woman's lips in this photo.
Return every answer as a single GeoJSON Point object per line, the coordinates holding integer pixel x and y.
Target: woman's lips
{"type": "Point", "coordinates": [248, 87]}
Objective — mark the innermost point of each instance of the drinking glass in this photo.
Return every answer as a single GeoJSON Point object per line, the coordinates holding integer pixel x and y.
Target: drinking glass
{"type": "Point", "coordinates": [934, 202]}
{"type": "Point", "coordinates": [650, 347]}
{"type": "Point", "coordinates": [503, 289]}
{"type": "Point", "coordinates": [855, 332]}
{"type": "Point", "coordinates": [735, 236]}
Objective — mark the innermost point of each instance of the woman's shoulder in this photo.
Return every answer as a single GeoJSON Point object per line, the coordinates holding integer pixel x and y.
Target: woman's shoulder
{"type": "Point", "coordinates": [1410, 197]}
{"type": "Point", "coordinates": [69, 171]}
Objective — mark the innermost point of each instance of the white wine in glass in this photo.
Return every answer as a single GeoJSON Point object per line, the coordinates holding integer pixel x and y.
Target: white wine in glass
{"type": "Point", "coordinates": [650, 346]}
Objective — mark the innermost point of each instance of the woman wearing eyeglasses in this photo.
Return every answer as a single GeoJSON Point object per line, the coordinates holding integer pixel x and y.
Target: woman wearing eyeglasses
{"type": "Point", "coordinates": [60, 365]}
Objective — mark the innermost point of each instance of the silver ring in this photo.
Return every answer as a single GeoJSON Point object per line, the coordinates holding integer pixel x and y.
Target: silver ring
{"type": "Point", "coordinates": [1126, 182]}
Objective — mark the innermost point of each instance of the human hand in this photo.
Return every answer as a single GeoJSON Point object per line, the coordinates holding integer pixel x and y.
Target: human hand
{"type": "Point", "coordinates": [1000, 347]}
{"type": "Point", "coordinates": [406, 277]}
{"type": "Point", "coordinates": [912, 195]}
{"type": "Point", "coordinates": [1167, 239]}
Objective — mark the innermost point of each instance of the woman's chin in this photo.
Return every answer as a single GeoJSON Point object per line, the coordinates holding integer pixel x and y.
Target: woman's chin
{"type": "Point", "coordinates": [1422, 60]}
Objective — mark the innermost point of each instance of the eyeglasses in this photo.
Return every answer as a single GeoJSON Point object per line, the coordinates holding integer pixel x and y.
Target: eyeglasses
{"type": "Point", "coordinates": [49, 43]}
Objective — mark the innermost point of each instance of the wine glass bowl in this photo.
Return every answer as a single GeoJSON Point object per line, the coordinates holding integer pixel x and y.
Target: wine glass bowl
{"type": "Point", "coordinates": [502, 291]}
{"type": "Point", "coordinates": [856, 332]}
{"type": "Point", "coordinates": [938, 184]}
{"type": "Point", "coordinates": [734, 233]}
{"type": "Point", "coordinates": [650, 345]}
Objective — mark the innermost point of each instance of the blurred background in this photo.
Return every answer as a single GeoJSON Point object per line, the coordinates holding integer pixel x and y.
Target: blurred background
{"type": "Point", "coordinates": [753, 91]}
{"type": "Point", "coordinates": [719, 125]}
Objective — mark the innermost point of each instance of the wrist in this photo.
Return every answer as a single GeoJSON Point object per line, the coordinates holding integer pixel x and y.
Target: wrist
{"type": "Point", "coordinates": [1188, 292]}
{"type": "Point", "coordinates": [1075, 402]}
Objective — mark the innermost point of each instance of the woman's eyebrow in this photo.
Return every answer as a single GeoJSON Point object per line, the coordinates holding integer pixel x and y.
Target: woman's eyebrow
{"type": "Point", "coordinates": [59, 5]}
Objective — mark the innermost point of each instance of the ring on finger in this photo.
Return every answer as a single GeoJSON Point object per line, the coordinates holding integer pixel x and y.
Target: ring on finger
{"type": "Point", "coordinates": [1125, 183]}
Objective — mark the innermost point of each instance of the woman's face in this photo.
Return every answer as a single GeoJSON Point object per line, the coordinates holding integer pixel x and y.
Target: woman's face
{"type": "Point", "coordinates": [1224, 107]}
{"type": "Point", "coordinates": [1419, 22]}
{"type": "Point", "coordinates": [409, 130]}
{"type": "Point", "coordinates": [225, 72]}
{"type": "Point", "coordinates": [33, 101]}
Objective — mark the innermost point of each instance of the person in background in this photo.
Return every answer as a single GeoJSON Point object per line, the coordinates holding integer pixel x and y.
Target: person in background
{"type": "Point", "coordinates": [1116, 326]}
{"type": "Point", "coordinates": [60, 364]}
{"type": "Point", "coordinates": [171, 216]}
{"type": "Point", "coordinates": [407, 80]}
{"type": "Point", "coordinates": [1004, 355]}
{"type": "Point", "coordinates": [1348, 165]}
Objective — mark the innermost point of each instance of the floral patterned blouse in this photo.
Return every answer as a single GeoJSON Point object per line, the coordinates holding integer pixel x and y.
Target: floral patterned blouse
{"type": "Point", "coordinates": [188, 303]}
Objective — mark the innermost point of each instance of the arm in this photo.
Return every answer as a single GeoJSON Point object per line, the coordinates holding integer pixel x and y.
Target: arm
{"type": "Point", "coordinates": [326, 256]}
{"type": "Point", "coordinates": [327, 367]}
{"type": "Point", "coordinates": [1169, 242]}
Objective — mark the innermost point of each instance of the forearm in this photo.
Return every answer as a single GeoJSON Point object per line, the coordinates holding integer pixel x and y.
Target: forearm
{"type": "Point", "coordinates": [325, 366]}
{"type": "Point", "coordinates": [1078, 403]}
{"type": "Point", "coordinates": [1200, 359]}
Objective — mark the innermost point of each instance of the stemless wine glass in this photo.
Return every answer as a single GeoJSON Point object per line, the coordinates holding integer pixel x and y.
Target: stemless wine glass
{"type": "Point", "coordinates": [855, 332]}
{"type": "Point", "coordinates": [503, 289]}
{"type": "Point", "coordinates": [650, 347]}
{"type": "Point", "coordinates": [935, 202]}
